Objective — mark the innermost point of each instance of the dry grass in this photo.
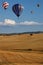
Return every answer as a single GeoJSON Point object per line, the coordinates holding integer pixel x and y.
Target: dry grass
{"type": "Point", "coordinates": [21, 49]}
{"type": "Point", "coordinates": [19, 58]}
{"type": "Point", "coordinates": [24, 41]}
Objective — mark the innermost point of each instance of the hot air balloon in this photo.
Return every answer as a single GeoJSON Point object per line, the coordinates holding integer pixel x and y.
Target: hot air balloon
{"type": "Point", "coordinates": [32, 12]}
{"type": "Point", "coordinates": [5, 5]}
{"type": "Point", "coordinates": [17, 9]}
{"type": "Point", "coordinates": [38, 5]}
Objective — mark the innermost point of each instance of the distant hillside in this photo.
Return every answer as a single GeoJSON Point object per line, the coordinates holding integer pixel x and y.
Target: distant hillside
{"type": "Point", "coordinates": [8, 34]}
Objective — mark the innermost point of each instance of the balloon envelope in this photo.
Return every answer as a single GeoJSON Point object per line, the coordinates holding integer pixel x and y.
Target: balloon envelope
{"type": "Point", "coordinates": [17, 9]}
{"type": "Point", "coordinates": [38, 5]}
{"type": "Point", "coordinates": [32, 12]}
{"type": "Point", "coordinates": [5, 5]}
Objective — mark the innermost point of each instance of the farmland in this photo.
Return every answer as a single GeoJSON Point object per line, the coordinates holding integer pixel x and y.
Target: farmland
{"type": "Point", "coordinates": [23, 49]}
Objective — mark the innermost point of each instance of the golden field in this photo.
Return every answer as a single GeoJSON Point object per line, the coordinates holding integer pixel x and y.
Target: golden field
{"type": "Point", "coordinates": [22, 49]}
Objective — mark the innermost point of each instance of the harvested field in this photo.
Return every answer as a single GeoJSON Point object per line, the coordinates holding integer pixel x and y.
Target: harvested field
{"type": "Point", "coordinates": [21, 49]}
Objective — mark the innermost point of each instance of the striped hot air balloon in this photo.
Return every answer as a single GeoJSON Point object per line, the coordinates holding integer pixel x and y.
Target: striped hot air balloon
{"type": "Point", "coordinates": [5, 5]}
{"type": "Point", "coordinates": [17, 9]}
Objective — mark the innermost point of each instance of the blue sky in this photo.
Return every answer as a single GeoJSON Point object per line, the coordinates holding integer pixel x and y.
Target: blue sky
{"type": "Point", "coordinates": [27, 22]}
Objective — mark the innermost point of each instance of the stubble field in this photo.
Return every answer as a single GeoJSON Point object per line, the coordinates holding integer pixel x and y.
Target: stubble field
{"type": "Point", "coordinates": [22, 49]}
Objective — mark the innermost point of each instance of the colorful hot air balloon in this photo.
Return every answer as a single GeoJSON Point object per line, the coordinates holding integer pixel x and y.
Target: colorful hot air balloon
{"type": "Point", "coordinates": [17, 9]}
{"type": "Point", "coordinates": [5, 5]}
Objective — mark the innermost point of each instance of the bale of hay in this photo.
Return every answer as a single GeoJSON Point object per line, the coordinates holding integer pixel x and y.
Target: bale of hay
{"type": "Point", "coordinates": [31, 34]}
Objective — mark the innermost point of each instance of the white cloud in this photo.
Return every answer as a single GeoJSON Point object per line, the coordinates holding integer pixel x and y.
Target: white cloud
{"type": "Point", "coordinates": [12, 22]}
{"type": "Point", "coordinates": [9, 22]}
{"type": "Point", "coordinates": [30, 23]}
